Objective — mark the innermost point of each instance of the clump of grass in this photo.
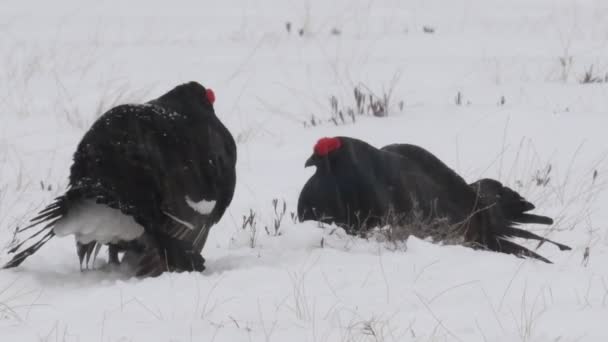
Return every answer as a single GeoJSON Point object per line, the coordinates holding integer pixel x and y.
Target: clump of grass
{"type": "Point", "coordinates": [364, 102]}
{"type": "Point", "coordinates": [397, 228]}
{"type": "Point", "coordinates": [543, 176]}
{"type": "Point", "coordinates": [459, 99]}
{"type": "Point", "coordinates": [428, 29]}
{"type": "Point", "coordinates": [250, 222]}
{"type": "Point", "coordinates": [591, 76]}
{"type": "Point", "coordinates": [335, 31]}
{"type": "Point", "coordinates": [279, 214]}
{"type": "Point", "coordinates": [502, 101]}
{"type": "Point", "coordinates": [566, 62]}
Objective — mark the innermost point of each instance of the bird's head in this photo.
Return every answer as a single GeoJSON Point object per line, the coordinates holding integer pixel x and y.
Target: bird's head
{"type": "Point", "coordinates": [189, 97]}
{"type": "Point", "coordinates": [344, 153]}
{"type": "Point", "coordinates": [196, 91]}
{"type": "Point", "coordinates": [325, 149]}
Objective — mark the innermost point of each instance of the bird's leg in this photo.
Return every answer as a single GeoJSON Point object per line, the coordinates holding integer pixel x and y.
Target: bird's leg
{"type": "Point", "coordinates": [96, 253]}
{"type": "Point", "coordinates": [197, 262]}
{"type": "Point", "coordinates": [80, 251]}
{"type": "Point", "coordinates": [113, 255]}
{"type": "Point", "coordinates": [181, 255]}
{"type": "Point", "coordinates": [84, 251]}
{"type": "Point", "coordinates": [190, 261]}
{"type": "Point", "coordinates": [201, 238]}
{"type": "Point", "coordinates": [146, 257]}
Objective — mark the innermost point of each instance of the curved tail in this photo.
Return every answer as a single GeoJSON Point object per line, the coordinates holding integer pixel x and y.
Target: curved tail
{"type": "Point", "coordinates": [48, 216]}
{"type": "Point", "coordinates": [507, 209]}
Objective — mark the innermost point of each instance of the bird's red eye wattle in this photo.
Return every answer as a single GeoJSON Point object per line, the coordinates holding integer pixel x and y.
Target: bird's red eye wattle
{"type": "Point", "coordinates": [210, 95]}
{"type": "Point", "coordinates": [326, 145]}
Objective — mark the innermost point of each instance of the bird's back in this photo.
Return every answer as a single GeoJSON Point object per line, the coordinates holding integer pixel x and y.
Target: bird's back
{"type": "Point", "coordinates": [122, 160]}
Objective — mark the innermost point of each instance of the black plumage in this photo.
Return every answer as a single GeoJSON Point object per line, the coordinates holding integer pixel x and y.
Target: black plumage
{"type": "Point", "coordinates": [358, 186]}
{"type": "Point", "coordinates": [156, 163]}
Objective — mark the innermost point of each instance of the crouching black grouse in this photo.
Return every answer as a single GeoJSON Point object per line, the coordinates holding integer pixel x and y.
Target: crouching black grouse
{"type": "Point", "coordinates": [358, 186]}
{"type": "Point", "coordinates": [149, 179]}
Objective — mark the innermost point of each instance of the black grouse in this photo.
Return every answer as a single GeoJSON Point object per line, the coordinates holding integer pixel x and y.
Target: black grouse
{"type": "Point", "coordinates": [149, 179]}
{"type": "Point", "coordinates": [358, 186]}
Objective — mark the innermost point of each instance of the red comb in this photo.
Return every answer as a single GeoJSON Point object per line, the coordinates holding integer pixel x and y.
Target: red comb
{"type": "Point", "coordinates": [210, 95]}
{"type": "Point", "coordinates": [326, 145]}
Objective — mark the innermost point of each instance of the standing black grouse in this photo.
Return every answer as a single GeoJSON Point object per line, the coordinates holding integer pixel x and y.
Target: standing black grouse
{"type": "Point", "coordinates": [149, 179]}
{"type": "Point", "coordinates": [358, 186]}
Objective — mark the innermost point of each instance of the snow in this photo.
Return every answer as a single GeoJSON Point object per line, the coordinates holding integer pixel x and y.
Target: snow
{"type": "Point", "coordinates": [90, 221]}
{"type": "Point", "coordinates": [202, 207]}
{"type": "Point", "coordinates": [65, 63]}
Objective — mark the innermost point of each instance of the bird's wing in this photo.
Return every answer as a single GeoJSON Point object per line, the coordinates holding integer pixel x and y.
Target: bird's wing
{"type": "Point", "coordinates": [432, 179]}
{"type": "Point", "coordinates": [198, 185]}
{"type": "Point", "coordinates": [429, 164]}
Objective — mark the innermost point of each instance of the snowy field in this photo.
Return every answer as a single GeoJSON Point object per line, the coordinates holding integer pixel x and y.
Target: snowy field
{"type": "Point", "coordinates": [494, 88]}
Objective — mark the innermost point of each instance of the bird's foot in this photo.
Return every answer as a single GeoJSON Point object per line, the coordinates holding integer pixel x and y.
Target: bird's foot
{"type": "Point", "coordinates": [197, 262]}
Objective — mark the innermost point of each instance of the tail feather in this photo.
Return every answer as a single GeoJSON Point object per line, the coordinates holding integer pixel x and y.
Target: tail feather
{"type": "Point", "coordinates": [537, 219]}
{"type": "Point", "coordinates": [48, 216]}
{"type": "Point", "coordinates": [510, 247]}
{"type": "Point", "coordinates": [505, 209]}
{"type": "Point", "coordinates": [517, 232]}
{"type": "Point", "coordinates": [53, 211]}
{"type": "Point", "coordinates": [514, 207]}
{"type": "Point", "coordinates": [21, 256]}
{"type": "Point", "coordinates": [42, 230]}
{"type": "Point", "coordinates": [494, 230]}
{"type": "Point", "coordinates": [491, 230]}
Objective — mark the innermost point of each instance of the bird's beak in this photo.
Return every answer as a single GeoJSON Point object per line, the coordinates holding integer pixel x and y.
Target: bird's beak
{"type": "Point", "coordinates": [311, 161]}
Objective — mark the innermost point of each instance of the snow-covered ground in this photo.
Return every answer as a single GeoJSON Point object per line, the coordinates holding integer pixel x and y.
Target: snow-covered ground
{"type": "Point", "coordinates": [514, 67]}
